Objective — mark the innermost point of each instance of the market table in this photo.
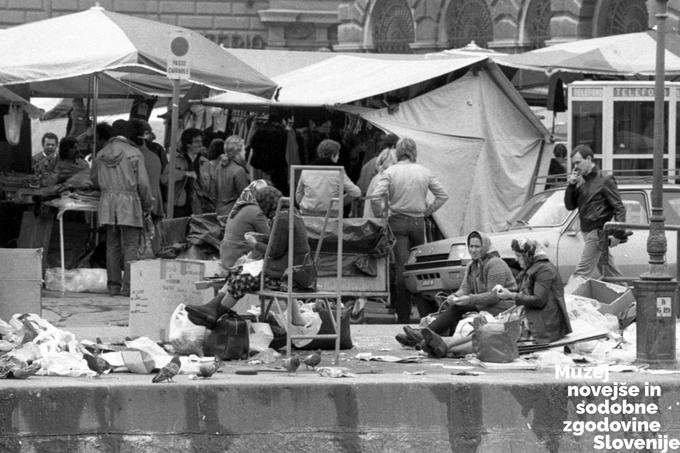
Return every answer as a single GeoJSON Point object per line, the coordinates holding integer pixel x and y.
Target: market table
{"type": "Point", "coordinates": [64, 204]}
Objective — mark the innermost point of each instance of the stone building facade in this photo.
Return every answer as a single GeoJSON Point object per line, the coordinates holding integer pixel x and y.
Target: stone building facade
{"type": "Point", "coordinates": [375, 25]}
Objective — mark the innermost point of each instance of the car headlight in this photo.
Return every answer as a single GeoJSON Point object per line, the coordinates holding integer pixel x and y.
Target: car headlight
{"type": "Point", "coordinates": [459, 252]}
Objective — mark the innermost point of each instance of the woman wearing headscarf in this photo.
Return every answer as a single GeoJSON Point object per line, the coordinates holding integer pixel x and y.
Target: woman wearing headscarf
{"type": "Point", "coordinates": [247, 215]}
{"type": "Point", "coordinates": [485, 271]}
{"type": "Point", "coordinates": [238, 284]}
{"type": "Point", "coordinates": [230, 175]}
{"type": "Point", "coordinates": [541, 292]}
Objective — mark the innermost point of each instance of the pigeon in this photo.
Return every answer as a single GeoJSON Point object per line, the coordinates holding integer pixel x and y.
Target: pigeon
{"type": "Point", "coordinates": [169, 371]}
{"type": "Point", "coordinates": [312, 360]}
{"type": "Point", "coordinates": [206, 370]}
{"type": "Point", "coordinates": [96, 363]}
{"type": "Point", "coordinates": [291, 364]}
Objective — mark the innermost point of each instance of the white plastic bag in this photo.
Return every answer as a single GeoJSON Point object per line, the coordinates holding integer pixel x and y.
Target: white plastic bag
{"type": "Point", "coordinates": [76, 280]}
{"type": "Point", "coordinates": [185, 336]}
{"type": "Point", "coordinates": [260, 336]}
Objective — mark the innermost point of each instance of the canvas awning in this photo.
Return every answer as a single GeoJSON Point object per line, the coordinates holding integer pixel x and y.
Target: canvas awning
{"type": "Point", "coordinates": [57, 57]}
{"type": "Point", "coordinates": [343, 78]}
{"type": "Point", "coordinates": [8, 96]}
{"type": "Point", "coordinates": [626, 55]}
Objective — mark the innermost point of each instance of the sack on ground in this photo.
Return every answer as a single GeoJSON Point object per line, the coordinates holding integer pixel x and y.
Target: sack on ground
{"type": "Point", "coordinates": [185, 336]}
{"type": "Point", "coordinates": [496, 341]}
{"type": "Point", "coordinates": [229, 339]}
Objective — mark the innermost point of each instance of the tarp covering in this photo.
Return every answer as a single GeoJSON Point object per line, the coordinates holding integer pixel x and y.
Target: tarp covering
{"type": "Point", "coordinates": [66, 50]}
{"type": "Point", "coordinates": [330, 81]}
{"type": "Point", "coordinates": [480, 139]}
{"type": "Point", "coordinates": [631, 54]}
{"type": "Point", "coordinates": [10, 97]}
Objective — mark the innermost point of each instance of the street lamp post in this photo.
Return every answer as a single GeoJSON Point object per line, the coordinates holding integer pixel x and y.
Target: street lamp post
{"type": "Point", "coordinates": [655, 290]}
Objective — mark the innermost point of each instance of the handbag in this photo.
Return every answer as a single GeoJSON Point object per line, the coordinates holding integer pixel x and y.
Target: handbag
{"type": "Point", "coordinates": [229, 339]}
{"type": "Point", "coordinates": [304, 275]}
{"type": "Point", "coordinates": [496, 341]}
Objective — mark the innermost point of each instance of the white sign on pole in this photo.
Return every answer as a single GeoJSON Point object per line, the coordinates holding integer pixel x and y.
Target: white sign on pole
{"type": "Point", "coordinates": [178, 57]}
{"type": "Point", "coordinates": [663, 307]}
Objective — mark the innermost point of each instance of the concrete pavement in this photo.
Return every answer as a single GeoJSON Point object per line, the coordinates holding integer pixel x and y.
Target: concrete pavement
{"type": "Point", "coordinates": [404, 407]}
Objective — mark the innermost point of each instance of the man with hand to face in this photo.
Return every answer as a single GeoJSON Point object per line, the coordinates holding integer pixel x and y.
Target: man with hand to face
{"type": "Point", "coordinates": [597, 198]}
{"type": "Point", "coordinates": [45, 161]}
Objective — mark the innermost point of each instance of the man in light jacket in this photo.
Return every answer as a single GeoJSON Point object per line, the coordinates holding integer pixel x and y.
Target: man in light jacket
{"type": "Point", "coordinates": [118, 169]}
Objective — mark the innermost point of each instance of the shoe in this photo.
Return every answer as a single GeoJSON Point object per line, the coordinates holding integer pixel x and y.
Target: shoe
{"type": "Point", "coordinates": [404, 340]}
{"type": "Point", "coordinates": [435, 344]}
{"type": "Point", "coordinates": [114, 291]}
{"type": "Point", "coordinates": [413, 334]}
{"type": "Point", "coordinates": [207, 314]}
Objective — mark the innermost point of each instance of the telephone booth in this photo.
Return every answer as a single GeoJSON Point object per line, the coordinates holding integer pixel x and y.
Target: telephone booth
{"type": "Point", "coordinates": [616, 119]}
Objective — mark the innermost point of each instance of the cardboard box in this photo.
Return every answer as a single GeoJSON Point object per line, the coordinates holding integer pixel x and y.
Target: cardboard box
{"type": "Point", "coordinates": [614, 298]}
{"type": "Point", "coordinates": [158, 286]}
{"type": "Point", "coordinates": [20, 282]}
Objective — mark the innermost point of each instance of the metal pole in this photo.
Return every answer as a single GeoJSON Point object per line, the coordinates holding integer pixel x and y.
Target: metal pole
{"type": "Point", "coordinates": [95, 96]}
{"type": "Point", "coordinates": [174, 119]}
{"type": "Point", "coordinates": [655, 291]}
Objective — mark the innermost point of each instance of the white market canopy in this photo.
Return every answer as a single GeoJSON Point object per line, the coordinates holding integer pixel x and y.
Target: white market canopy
{"type": "Point", "coordinates": [57, 57]}
{"type": "Point", "coordinates": [626, 55]}
{"type": "Point", "coordinates": [329, 79]}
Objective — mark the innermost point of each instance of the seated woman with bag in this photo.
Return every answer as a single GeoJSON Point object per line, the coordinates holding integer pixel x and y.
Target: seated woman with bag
{"type": "Point", "coordinates": [541, 292]}
{"type": "Point", "coordinates": [239, 283]}
{"type": "Point", "coordinates": [247, 215]}
{"type": "Point", "coordinates": [485, 271]}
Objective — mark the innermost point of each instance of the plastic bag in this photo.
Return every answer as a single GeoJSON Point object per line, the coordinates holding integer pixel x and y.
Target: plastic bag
{"type": "Point", "coordinates": [185, 336]}
{"type": "Point", "coordinates": [261, 335]}
{"type": "Point", "coordinates": [76, 280]}
{"type": "Point", "coordinates": [496, 341]}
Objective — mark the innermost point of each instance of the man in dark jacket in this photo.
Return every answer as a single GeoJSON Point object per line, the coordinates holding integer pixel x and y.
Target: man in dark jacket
{"type": "Point", "coordinates": [598, 201]}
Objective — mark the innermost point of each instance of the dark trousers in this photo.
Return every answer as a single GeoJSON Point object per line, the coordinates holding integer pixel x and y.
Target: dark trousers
{"type": "Point", "coordinates": [122, 246]}
{"type": "Point", "coordinates": [409, 232]}
{"type": "Point", "coordinates": [449, 319]}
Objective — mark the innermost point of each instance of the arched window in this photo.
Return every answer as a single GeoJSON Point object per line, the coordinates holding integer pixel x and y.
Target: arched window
{"type": "Point", "coordinates": [393, 28]}
{"type": "Point", "coordinates": [537, 23]}
{"type": "Point", "coordinates": [468, 20]}
{"type": "Point", "coordinates": [622, 16]}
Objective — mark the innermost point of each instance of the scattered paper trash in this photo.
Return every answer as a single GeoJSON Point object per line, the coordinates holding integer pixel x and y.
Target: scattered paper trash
{"type": "Point", "coordinates": [334, 372]}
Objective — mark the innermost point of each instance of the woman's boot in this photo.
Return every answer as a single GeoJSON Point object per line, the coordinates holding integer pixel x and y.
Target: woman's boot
{"type": "Point", "coordinates": [207, 314]}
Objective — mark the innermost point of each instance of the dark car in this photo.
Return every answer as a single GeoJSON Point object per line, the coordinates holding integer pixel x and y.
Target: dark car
{"type": "Point", "coordinates": [439, 266]}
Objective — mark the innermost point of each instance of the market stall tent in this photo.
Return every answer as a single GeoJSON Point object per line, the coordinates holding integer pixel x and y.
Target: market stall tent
{"type": "Point", "coordinates": [483, 142]}
{"type": "Point", "coordinates": [475, 133]}
{"type": "Point", "coordinates": [625, 55]}
{"type": "Point", "coordinates": [56, 57]}
{"type": "Point", "coordinates": [343, 78]}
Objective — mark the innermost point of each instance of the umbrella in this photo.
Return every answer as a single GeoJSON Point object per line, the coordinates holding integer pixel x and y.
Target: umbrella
{"type": "Point", "coordinates": [625, 55]}
{"type": "Point", "coordinates": [58, 56]}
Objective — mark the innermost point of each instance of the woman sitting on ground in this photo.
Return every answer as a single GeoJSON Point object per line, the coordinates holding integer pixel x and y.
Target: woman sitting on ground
{"type": "Point", "coordinates": [238, 284]}
{"type": "Point", "coordinates": [541, 292]}
{"type": "Point", "coordinates": [485, 271]}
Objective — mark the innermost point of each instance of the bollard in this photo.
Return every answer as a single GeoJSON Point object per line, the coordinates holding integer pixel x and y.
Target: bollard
{"type": "Point", "coordinates": [655, 318]}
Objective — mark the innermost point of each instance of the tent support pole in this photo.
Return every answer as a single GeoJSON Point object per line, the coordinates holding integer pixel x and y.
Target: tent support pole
{"type": "Point", "coordinates": [95, 101]}
{"type": "Point", "coordinates": [173, 147]}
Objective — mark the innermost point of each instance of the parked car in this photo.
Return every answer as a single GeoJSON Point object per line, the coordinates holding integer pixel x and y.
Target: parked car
{"type": "Point", "coordinates": [439, 266]}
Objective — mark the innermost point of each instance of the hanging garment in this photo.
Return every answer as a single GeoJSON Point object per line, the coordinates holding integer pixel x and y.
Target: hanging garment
{"type": "Point", "coordinates": [13, 120]}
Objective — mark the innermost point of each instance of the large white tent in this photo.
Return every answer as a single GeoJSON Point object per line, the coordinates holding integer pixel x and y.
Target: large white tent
{"type": "Point", "coordinates": [475, 133]}
{"type": "Point", "coordinates": [483, 142]}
